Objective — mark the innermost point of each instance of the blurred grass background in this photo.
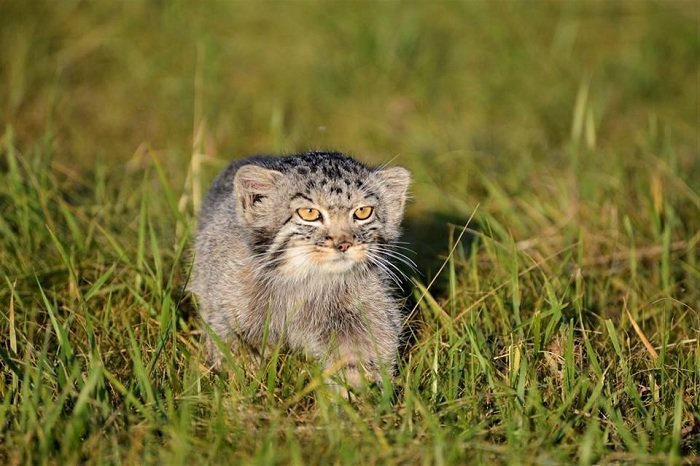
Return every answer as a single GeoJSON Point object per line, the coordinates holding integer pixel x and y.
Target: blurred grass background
{"type": "Point", "coordinates": [573, 126]}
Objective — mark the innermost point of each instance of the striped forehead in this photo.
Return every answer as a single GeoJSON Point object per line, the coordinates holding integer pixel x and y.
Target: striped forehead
{"type": "Point", "coordinates": [336, 194]}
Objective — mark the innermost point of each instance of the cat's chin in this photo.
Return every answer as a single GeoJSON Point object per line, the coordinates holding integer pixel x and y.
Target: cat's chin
{"type": "Point", "coordinates": [330, 267]}
{"type": "Point", "coordinates": [337, 267]}
{"type": "Point", "coordinates": [325, 263]}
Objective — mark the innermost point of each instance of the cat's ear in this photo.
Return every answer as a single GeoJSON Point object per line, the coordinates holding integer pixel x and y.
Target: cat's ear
{"type": "Point", "coordinates": [252, 185]}
{"type": "Point", "coordinates": [394, 183]}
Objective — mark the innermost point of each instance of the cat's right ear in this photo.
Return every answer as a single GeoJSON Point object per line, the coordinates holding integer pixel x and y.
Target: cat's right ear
{"type": "Point", "coordinates": [251, 186]}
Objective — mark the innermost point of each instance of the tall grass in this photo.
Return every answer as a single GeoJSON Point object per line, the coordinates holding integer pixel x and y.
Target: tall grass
{"type": "Point", "coordinates": [559, 325]}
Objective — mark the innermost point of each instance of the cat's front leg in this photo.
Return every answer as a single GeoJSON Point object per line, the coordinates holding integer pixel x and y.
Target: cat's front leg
{"type": "Point", "coordinates": [215, 347]}
{"type": "Point", "coordinates": [356, 365]}
{"type": "Point", "coordinates": [219, 336]}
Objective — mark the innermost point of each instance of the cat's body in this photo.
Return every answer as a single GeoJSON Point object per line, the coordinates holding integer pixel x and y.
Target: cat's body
{"type": "Point", "coordinates": [296, 249]}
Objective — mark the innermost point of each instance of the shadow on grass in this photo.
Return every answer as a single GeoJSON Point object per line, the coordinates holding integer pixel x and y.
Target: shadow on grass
{"type": "Point", "coordinates": [430, 237]}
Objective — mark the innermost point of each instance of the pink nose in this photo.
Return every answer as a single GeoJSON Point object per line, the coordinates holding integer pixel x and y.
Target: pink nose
{"type": "Point", "coordinates": [343, 246]}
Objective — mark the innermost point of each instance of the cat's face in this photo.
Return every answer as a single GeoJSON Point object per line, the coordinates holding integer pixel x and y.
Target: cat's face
{"type": "Point", "coordinates": [325, 221]}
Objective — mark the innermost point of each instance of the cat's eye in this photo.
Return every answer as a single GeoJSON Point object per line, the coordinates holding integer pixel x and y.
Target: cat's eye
{"type": "Point", "coordinates": [309, 214]}
{"type": "Point", "coordinates": [363, 213]}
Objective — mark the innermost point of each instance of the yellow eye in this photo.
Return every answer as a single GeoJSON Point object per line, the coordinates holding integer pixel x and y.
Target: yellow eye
{"type": "Point", "coordinates": [309, 214]}
{"type": "Point", "coordinates": [363, 213]}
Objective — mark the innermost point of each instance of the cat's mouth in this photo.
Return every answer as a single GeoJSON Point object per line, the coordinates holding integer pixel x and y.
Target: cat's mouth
{"type": "Point", "coordinates": [322, 259]}
{"type": "Point", "coordinates": [335, 260]}
{"type": "Point", "coordinates": [303, 259]}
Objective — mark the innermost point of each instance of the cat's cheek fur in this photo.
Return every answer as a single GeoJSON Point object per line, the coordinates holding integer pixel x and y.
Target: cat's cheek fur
{"type": "Point", "coordinates": [296, 266]}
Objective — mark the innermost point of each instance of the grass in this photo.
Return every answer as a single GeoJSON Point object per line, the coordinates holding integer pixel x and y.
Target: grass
{"type": "Point", "coordinates": [560, 326]}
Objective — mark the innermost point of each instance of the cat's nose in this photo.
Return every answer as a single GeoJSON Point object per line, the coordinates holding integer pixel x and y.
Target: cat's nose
{"type": "Point", "coordinates": [343, 246]}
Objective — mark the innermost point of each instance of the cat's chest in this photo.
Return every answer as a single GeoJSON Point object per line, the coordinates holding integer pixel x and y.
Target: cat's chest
{"type": "Point", "coordinates": [310, 300]}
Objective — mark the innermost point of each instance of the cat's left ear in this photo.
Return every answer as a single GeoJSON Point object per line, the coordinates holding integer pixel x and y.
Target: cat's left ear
{"type": "Point", "coordinates": [252, 185]}
{"type": "Point", "coordinates": [394, 182]}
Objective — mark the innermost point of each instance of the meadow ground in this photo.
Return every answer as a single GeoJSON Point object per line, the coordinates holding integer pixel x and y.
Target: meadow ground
{"type": "Point", "coordinates": [561, 326]}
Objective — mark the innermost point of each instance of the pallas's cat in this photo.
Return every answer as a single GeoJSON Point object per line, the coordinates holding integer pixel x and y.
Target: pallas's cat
{"type": "Point", "coordinates": [296, 251]}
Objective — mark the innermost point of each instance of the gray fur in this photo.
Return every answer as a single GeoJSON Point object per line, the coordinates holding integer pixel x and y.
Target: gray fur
{"type": "Point", "coordinates": [258, 263]}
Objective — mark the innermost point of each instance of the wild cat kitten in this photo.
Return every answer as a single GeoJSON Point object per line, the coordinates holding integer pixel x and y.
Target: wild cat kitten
{"type": "Point", "coordinates": [301, 245]}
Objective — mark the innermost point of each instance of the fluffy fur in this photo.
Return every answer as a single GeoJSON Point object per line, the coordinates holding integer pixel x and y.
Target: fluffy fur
{"type": "Point", "coordinates": [324, 287]}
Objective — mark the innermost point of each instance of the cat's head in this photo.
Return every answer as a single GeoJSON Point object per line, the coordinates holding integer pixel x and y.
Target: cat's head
{"type": "Point", "coordinates": [320, 213]}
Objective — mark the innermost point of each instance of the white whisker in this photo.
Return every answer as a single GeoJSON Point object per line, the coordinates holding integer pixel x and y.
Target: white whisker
{"type": "Point", "coordinates": [377, 261]}
{"type": "Point", "coordinates": [396, 255]}
{"type": "Point", "coordinates": [399, 257]}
